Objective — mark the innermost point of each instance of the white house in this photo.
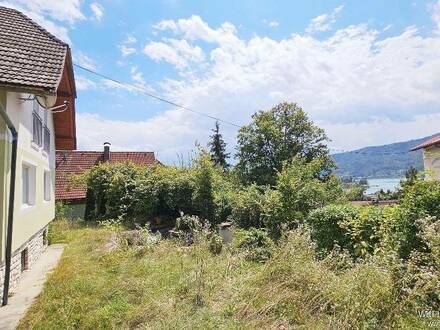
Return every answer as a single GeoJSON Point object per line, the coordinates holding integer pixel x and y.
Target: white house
{"type": "Point", "coordinates": [37, 107]}
{"type": "Point", "coordinates": [431, 156]}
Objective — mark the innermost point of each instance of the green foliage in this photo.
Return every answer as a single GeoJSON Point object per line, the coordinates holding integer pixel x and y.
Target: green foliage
{"type": "Point", "coordinates": [257, 245]}
{"type": "Point", "coordinates": [203, 196]}
{"type": "Point", "coordinates": [419, 200]}
{"type": "Point", "coordinates": [327, 226]}
{"type": "Point", "coordinates": [215, 244]}
{"type": "Point", "coordinates": [361, 231]}
{"type": "Point", "coordinates": [274, 137]}
{"type": "Point", "coordinates": [62, 210]}
{"type": "Point", "coordinates": [217, 147]}
{"type": "Point", "coordinates": [89, 212]}
{"type": "Point", "coordinates": [304, 186]}
{"type": "Point", "coordinates": [355, 192]}
{"type": "Point", "coordinates": [247, 207]}
{"type": "Point", "coordinates": [166, 286]}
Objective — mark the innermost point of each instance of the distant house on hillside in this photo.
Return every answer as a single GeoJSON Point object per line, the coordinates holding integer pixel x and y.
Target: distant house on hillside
{"type": "Point", "coordinates": [431, 155]}
{"type": "Point", "coordinates": [70, 163]}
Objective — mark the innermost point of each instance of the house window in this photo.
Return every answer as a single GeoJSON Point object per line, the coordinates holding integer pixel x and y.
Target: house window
{"type": "Point", "coordinates": [24, 260]}
{"type": "Point", "coordinates": [37, 125]}
{"type": "Point", "coordinates": [28, 184]}
{"type": "Point", "coordinates": [46, 146]}
{"type": "Point", "coordinates": [47, 186]}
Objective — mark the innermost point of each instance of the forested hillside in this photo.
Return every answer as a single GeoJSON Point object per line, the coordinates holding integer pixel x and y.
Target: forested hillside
{"type": "Point", "coordinates": [390, 160]}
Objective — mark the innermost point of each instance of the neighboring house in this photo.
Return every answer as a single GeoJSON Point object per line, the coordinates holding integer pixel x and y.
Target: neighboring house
{"type": "Point", "coordinates": [431, 156]}
{"type": "Point", "coordinates": [34, 65]}
{"type": "Point", "coordinates": [72, 163]}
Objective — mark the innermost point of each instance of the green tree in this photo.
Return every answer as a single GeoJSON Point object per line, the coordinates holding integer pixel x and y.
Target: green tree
{"type": "Point", "coordinates": [277, 136]}
{"type": "Point", "coordinates": [217, 147]}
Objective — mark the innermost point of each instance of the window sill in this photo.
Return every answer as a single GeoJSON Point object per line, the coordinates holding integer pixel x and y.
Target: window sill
{"type": "Point", "coordinates": [27, 207]}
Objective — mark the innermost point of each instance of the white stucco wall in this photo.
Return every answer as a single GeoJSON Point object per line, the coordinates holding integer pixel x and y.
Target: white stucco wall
{"type": "Point", "coordinates": [431, 161]}
{"type": "Point", "coordinates": [28, 220]}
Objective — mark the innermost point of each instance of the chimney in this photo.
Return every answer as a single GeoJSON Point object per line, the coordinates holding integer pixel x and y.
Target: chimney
{"type": "Point", "coordinates": [106, 155]}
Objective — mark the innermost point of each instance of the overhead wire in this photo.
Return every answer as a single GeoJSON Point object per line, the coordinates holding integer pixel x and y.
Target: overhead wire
{"type": "Point", "coordinates": [159, 98]}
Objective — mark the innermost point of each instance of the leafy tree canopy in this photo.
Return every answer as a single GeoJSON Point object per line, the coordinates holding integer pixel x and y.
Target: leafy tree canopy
{"type": "Point", "coordinates": [277, 136]}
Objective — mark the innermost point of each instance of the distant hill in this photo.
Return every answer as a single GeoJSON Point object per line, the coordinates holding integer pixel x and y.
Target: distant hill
{"type": "Point", "coordinates": [390, 160]}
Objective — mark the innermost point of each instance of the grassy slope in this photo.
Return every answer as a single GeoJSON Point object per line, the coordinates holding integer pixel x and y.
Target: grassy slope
{"type": "Point", "coordinates": [169, 286]}
{"type": "Point", "coordinates": [93, 289]}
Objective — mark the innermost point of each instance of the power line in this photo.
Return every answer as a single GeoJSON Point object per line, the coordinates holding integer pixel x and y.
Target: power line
{"type": "Point", "coordinates": [143, 90]}
{"type": "Point", "coordinates": [159, 98]}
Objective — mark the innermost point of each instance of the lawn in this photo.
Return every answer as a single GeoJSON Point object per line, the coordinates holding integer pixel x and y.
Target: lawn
{"type": "Point", "coordinates": [168, 285]}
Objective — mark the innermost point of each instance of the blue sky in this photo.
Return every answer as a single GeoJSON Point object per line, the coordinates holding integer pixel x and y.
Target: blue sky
{"type": "Point", "coordinates": [366, 71]}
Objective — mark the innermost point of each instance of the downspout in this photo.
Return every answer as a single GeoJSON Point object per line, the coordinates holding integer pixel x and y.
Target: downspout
{"type": "Point", "coordinates": [14, 133]}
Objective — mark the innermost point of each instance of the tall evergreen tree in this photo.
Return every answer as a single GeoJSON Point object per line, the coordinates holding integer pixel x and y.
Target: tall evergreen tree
{"type": "Point", "coordinates": [217, 147]}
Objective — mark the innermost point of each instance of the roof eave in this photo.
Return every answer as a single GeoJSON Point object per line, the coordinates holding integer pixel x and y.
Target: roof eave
{"type": "Point", "coordinates": [27, 89]}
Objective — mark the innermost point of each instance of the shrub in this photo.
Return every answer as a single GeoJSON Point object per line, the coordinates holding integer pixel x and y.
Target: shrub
{"type": "Point", "coordinates": [327, 229]}
{"type": "Point", "coordinates": [296, 289]}
{"type": "Point", "coordinates": [246, 207]}
{"type": "Point", "coordinates": [192, 229]}
{"type": "Point", "coordinates": [203, 196]}
{"type": "Point", "coordinates": [360, 230]}
{"type": "Point", "coordinates": [62, 210]}
{"type": "Point", "coordinates": [215, 244]}
{"type": "Point", "coordinates": [257, 245]}
{"type": "Point", "coordinates": [164, 191]}
{"type": "Point", "coordinates": [304, 186]}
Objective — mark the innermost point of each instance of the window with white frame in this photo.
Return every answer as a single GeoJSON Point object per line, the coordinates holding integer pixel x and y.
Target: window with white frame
{"type": "Point", "coordinates": [40, 129]}
{"type": "Point", "coordinates": [28, 184]}
{"type": "Point", "coordinates": [47, 185]}
{"type": "Point", "coordinates": [37, 125]}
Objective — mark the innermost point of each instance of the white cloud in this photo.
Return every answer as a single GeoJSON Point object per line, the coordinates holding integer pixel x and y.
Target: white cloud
{"type": "Point", "coordinates": [176, 52]}
{"type": "Point", "coordinates": [324, 22]}
{"type": "Point", "coordinates": [271, 23]}
{"type": "Point", "coordinates": [97, 10]}
{"type": "Point", "coordinates": [166, 134]}
{"type": "Point", "coordinates": [48, 14]}
{"type": "Point", "coordinates": [60, 10]}
{"type": "Point", "coordinates": [84, 60]}
{"type": "Point", "coordinates": [362, 87]}
{"type": "Point", "coordinates": [127, 46]}
{"type": "Point", "coordinates": [83, 83]}
{"type": "Point", "coordinates": [194, 28]}
{"type": "Point", "coordinates": [436, 14]}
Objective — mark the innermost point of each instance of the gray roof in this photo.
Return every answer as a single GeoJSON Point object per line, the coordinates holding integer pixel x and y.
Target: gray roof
{"type": "Point", "coordinates": [30, 57]}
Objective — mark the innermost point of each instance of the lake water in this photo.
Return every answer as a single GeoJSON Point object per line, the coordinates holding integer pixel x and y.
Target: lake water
{"type": "Point", "coordinates": [374, 185]}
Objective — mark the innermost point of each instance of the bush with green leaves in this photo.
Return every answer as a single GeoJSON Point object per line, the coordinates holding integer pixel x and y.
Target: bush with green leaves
{"type": "Point", "coordinates": [360, 230]}
{"type": "Point", "coordinates": [257, 245]}
{"type": "Point", "coordinates": [419, 200]}
{"type": "Point", "coordinates": [305, 186]}
{"type": "Point", "coordinates": [246, 207]}
{"type": "Point", "coordinates": [62, 210]}
{"type": "Point", "coordinates": [215, 244]}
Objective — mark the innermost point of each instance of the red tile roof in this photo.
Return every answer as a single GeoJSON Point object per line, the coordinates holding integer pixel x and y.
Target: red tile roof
{"type": "Point", "coordinates": [69, 163]}
{"type": "Point", "coordinates": [30, 56]}
{"type": "Point", "coordinates": [427, 143]}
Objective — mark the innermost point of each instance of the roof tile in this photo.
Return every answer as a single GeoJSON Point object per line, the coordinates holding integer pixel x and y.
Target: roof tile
{"type": "Point", "coordinates": [29, 55]}
{"type": "Point", "coordinates": [70, 163]}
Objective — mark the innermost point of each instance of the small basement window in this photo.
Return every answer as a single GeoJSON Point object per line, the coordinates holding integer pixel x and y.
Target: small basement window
{"type": "Point", "coordinates": [24, 260]}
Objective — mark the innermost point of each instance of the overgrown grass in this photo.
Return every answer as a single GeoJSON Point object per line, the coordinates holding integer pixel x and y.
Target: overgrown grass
{"type": "Point", "coordinates": [172, 286]}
